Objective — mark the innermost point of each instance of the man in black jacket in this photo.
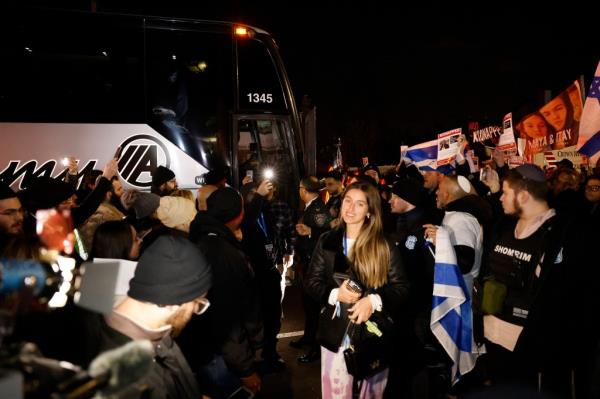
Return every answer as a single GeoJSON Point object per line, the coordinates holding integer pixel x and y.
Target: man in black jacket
{"type": "Point", "coordinates": [170, 285]}
{"type": "Point", "coordinates": [266, 247]}
{"type": "Point", "coordinates": [314, 222]}
{"type": "Point", "coordinates": [408, 201]}
{"type": "Point", "coordinates": [531, 257]}
{"type": "Point", "coordinates": [221, 347]}
{"type": "Point", "coordinates": [416, 363]}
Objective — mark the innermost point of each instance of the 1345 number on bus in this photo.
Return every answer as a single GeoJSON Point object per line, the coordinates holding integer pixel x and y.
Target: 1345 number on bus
{"type": "Point", "coordinates": [260, 98]}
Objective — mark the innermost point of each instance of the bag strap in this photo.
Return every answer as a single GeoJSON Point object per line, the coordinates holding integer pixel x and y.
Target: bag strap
{"type": "Point", "coordinates": [356, 385]}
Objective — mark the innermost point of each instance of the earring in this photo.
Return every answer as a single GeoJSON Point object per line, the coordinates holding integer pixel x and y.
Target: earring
{"type": "Point", "coordinates": [368, 215]}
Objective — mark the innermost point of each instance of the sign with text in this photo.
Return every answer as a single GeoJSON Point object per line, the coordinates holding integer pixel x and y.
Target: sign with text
{"type": "Point", "coordinates": [555, 125]}
{"type": "Point", "coordinates": [506, 141]}
{"type": "Point", "coordinates": [448, 145]}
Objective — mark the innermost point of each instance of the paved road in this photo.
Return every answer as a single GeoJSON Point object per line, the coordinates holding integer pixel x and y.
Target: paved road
{"type": "Point", "coordinates": [297, 380]}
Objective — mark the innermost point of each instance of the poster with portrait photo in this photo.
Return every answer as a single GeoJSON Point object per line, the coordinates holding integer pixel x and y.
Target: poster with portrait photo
{"type": "Point", "coordinates": [553, 126]}
{"type": "Point", "coordinates": [448, 144]}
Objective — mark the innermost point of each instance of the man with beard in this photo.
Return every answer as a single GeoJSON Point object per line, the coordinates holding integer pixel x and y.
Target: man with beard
{"type": "Point", "coordinates": [527, 328]}
{"type": "Point", "coordinates": [163, 181]}
{"type": "Point", "coordinates": [169, 286]}
{"type": "Point", "coordinates": [11, 215]}
{"type": "Point", "coordinates": [335, 188]}
{"type": "Point", "coordinates": [11, 211]}
{"type": "Point", "coordinates": [110, 209]}
{"type": "Point", "coordinates": [464, 215]}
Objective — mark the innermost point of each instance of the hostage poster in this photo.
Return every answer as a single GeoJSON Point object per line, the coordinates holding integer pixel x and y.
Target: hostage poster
{"type": "Point", "coordinates": [555, 125]}
{"type": "Point", "coordinates": [448, 144]}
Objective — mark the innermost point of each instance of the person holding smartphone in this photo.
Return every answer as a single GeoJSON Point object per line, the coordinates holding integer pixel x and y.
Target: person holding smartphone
{"type": "Point", "coordinates": [358, 248]}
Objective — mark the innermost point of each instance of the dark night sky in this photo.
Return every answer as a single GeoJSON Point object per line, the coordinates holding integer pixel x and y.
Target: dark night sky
{"type": "Point", "coordinates": [396, 72]}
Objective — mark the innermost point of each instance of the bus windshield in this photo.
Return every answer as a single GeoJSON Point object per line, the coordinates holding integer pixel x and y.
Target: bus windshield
{"type": "Point", "coordinates": [195, 83]}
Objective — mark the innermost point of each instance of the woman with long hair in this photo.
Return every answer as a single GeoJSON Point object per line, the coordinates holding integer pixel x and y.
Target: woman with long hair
{"type": "Point", "coordinates": [116, 239]}
{"type": "Point", "coordinates": [355, 254]}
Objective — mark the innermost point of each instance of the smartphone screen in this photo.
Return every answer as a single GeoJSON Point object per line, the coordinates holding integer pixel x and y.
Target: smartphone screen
{"type": "Point", "coordinates": [483, 173]}
{"type": "Point", "coordinates": [250, 173]}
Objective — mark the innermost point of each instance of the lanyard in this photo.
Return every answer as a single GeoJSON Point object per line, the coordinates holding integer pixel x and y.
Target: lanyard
{"type": "Point", "coordinates": [262, 224]}
{"type": "Point", "coordinates": [338, 309]}
{"type": "Point", "coordinates": [345, 245]}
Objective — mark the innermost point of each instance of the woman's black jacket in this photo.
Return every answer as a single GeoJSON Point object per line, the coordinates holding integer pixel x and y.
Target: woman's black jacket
{"type": "Point", "coordinates": [328, 258]}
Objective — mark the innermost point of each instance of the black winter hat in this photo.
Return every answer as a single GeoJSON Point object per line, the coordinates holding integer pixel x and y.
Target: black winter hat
{"type": "Point", "coordinates": [216, 176]}
{"type": "Point", "coordinates": [44, 192]}
{"type": "Point", "coordinates": [171, 271]}
{"type": "Point", "coordinates": [219, 170]}
{"type": "Point", "coordinates": [225, 204]}
{"type": "Point", "coordinates": [145, 204]}
{"type": "Point", "coordinates": [6, 192]}
{"type": "Point", "coordinates": [410, 190]}
{"type": "Point", "coordinates": [162, 175]}
{"type": "Point", "coordinates": [371, 166]}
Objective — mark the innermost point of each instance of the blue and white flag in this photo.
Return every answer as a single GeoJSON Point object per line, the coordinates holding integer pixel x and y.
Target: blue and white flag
{"type": "Point", "coordinates": [424, 157]}
{"type": "Point", "coordinates": [451, 313]}
{"type": "Point", "coordinates": [589, 127]}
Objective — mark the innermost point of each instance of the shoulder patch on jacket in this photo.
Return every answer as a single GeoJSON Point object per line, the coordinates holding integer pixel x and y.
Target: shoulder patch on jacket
{"type": "Point", "coordinates": [410, 242]}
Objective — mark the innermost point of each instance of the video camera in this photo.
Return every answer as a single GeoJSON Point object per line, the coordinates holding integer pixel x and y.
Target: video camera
{"type": "Point", "coordinates": [30, 291]}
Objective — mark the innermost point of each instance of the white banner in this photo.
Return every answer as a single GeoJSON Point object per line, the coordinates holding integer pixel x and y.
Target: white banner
{"type": "Point", "coordinates": [507, 143]}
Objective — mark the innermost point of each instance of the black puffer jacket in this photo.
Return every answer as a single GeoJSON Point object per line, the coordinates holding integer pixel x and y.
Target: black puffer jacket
{"type": "Point", "coordinates": [328, 258]}
{"type": "Point", "coordinates": [231, 327]}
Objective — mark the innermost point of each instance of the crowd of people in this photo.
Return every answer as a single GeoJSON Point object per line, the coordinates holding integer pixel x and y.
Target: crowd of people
{"type": "Point", "coordinates": [211, 267]}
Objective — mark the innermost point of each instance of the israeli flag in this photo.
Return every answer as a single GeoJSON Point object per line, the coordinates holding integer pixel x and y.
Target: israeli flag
{"type": "Point", "coordinates": [451, 313]}
{"type": "Point", "coordinates": [589, 127]}
{"type": "Point", "coordinates": [424, 156]}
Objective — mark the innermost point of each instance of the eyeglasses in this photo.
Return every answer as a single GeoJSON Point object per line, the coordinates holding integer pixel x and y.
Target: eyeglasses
{"type": "Point", "coordinates": [201, 305]}
{"type": "Point", "coordinates": [13, 212]}
{"type": "Point", "coordinates": [592, 188]}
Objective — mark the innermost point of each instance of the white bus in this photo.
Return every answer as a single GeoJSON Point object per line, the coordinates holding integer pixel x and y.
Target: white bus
{"type": "Point", "coordinates": [187, 94]}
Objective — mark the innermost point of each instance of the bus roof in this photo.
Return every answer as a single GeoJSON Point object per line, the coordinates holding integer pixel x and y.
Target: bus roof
{"type": "Point", "coordinates": [174, 20]}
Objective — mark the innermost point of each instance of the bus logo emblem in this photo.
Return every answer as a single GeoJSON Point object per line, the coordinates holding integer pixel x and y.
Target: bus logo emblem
{"type": "Point", "coordinates": [141, 155]}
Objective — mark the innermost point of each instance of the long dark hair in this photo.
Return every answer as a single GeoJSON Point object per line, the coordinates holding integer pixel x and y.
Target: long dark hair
{"type": "Point", "coordinates": [112, 239]}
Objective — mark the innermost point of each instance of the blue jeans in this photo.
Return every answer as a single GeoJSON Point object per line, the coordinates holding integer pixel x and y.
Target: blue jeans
{"type": "Point", "coordinates": [216, 379]}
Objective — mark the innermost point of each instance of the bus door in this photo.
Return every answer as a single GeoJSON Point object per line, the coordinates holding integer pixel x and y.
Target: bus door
{"type": "Point", "coordinates": [263, 145]}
